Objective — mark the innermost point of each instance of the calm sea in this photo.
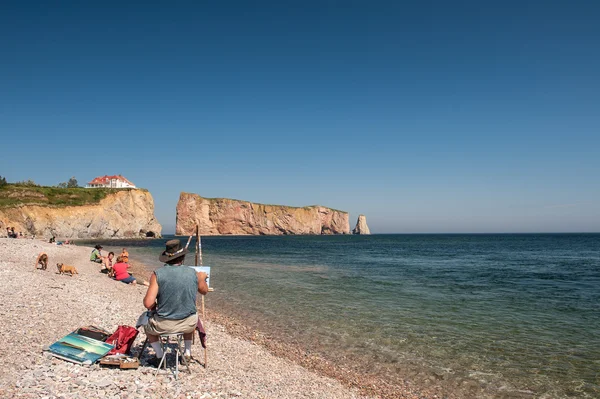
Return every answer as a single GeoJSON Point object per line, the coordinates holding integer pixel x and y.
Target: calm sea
{"type": "Point", "coordinates": [499, 315]}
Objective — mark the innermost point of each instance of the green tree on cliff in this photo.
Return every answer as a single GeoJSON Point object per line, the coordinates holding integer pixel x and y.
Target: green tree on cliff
{"type": "Point", "coordinates": [72, 183]}
{"type": "Point", "coordinates": [2, 181]}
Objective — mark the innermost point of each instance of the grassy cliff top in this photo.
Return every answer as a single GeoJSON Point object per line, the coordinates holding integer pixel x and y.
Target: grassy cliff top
{"type": "Point", "coordinates": [12, 195]}
{"type": "Point", "coordinates": [256, 203]}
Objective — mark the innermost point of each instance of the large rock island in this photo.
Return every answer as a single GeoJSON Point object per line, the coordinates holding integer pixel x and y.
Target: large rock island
{"type": "Point", "coordinates": [223, 216]}
{"type": "Point", "coordinates": [68, 213]}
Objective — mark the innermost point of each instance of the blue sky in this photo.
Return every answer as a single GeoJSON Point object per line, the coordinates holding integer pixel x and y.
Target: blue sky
{"type": "Point", "coordinates": [426, 117]}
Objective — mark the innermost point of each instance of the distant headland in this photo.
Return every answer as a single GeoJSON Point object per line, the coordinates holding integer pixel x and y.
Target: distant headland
{"type": "Point", "coordinates": [224, 216]}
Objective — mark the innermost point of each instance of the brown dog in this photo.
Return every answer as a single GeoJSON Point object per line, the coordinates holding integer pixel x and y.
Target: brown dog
{"type": "Point", "coordinates": [42, 260]}
{"type": "Point", "coordinates": [64, 269]}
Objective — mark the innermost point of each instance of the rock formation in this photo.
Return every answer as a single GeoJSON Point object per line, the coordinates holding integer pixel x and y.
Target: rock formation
{"type": "Point", "coordinates": [222, 216]}
{"type": "Point", "coordinates": [123, 214]}
{"type": "Point", "coordinates": [361, 226]}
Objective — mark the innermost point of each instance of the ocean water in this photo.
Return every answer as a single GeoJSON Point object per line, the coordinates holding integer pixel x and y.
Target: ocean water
{"type": "Point", "coordinates": [498, 315]}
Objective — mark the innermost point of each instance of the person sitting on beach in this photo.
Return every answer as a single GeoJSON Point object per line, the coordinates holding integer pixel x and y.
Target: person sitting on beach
{"type": "Point", "coordinates": [172, 295]}
{"type": "Point", "coordinates": [121, 273]}
{"type": "Point", "coordinates": [96, 257]}
{"type": "Point", "coordinates": [109, 265]}
{"type": "Point", "coordinates": [125, 255]}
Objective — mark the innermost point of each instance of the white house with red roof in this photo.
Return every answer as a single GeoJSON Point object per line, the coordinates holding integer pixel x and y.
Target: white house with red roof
{"type": "Point", "coordinates": [116, 181]}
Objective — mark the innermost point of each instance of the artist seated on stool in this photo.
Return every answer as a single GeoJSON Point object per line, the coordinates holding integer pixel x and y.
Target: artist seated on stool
{"type": "Point", "coordinates": [172, 293]}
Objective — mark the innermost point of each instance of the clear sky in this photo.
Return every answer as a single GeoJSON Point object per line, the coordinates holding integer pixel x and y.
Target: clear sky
{"type": "Point", "coordinates": [428, 116]}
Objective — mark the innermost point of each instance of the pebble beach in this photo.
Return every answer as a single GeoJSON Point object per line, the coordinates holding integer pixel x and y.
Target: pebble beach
{"type": "Point", "coordinates": [40, 307]}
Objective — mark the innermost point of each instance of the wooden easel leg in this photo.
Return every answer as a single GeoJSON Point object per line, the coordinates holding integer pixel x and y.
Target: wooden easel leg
{"type": "Point", "coordinates": [199, 254]}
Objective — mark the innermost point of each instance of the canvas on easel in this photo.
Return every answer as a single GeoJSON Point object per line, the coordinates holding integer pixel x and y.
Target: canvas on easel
{"type": "Point", "coordinates": [205, 269]}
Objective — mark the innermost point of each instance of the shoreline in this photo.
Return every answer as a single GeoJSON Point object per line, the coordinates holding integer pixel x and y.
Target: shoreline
{"type": "Point", "coordinates": [349, 374]}
{"type": "Point", "coordinates": [43, 306]}
{"type": "Point", "coordinates": [369, 385]}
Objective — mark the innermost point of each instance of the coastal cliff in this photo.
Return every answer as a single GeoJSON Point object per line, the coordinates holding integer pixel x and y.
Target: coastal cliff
{"type": "Point", "coordinates": [79, 212]}
{"type": "Point", "coordinates": [223, 216]}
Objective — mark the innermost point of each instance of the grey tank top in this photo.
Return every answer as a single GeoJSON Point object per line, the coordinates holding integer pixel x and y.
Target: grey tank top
{"type": "Point", "coordinates": [177, 288]}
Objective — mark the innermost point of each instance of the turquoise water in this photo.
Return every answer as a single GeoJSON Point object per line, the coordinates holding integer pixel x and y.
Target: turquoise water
{"type": "Point", "coordinates": [511, 315]}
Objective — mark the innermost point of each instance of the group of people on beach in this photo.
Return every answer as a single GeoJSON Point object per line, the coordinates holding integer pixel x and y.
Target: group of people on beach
{"type": "Point", "coordinates": [11, 233]}
{"type": "Point", "coordinates": [170, 298]}
{"type": "Point", "coordinates": [52, 240]}
{"type": "Point", "coordinates": [118, 270]}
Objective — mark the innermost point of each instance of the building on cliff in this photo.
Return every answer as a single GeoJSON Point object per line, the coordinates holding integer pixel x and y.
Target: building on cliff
{"type": "Point", "coordinates": [116, 181]}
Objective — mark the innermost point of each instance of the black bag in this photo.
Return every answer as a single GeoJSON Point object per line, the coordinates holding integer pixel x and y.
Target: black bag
{"type": "Point", "coordinates": [93, 332]}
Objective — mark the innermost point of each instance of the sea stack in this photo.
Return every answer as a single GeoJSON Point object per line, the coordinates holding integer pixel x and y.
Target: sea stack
{"type": "Point", "coordinates": [361, 226]}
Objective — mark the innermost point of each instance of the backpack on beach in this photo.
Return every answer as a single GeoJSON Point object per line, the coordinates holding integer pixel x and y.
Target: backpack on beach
{"type": "Point", "coordinates": [122, 339]}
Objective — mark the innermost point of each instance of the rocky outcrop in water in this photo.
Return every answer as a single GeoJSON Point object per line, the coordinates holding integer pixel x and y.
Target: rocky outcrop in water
{"type": "Point", "coordinates": [123, 214]}
{"type": "Point", "coordinates": [361, 226]}
{"type": "Point", "coordinates": [223, 216]}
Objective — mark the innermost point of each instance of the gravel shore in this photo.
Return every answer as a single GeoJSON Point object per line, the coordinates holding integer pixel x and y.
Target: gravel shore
{"type": "Point", "coordinates": [40, 307]}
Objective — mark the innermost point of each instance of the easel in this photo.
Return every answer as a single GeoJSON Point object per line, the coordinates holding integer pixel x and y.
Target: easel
{"type": "Point", "coordinates": [199, 257]}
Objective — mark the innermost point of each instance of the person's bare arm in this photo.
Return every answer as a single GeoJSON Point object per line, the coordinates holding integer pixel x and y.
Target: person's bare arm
{"type": "Point", "coordinates": [150, 298]}
{"type": "Point", "coordinates": [202, 286]}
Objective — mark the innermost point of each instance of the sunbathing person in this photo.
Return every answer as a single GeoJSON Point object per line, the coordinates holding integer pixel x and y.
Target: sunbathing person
{"type": "Point", "coordinates": [122, 275]}
{"type": "Point", "coordinates": [172, 294]}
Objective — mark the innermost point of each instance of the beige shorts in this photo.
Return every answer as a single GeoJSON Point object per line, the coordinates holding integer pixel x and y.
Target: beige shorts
{"type": "Point", "coordinates": [157, 325]}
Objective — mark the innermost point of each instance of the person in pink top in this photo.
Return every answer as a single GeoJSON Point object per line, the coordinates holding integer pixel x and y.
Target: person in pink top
{"type": "Point", "coordinates": [121, 273]}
